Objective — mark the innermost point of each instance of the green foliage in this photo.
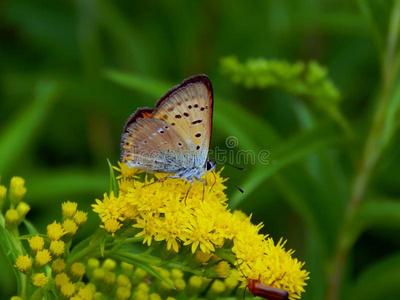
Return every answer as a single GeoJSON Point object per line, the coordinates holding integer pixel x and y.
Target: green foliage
{"type": "Point", "coordinates": [309, 80]}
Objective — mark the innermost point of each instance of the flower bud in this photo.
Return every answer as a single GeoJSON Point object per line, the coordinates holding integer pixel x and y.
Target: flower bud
{"type": "Point", "coordinates": [22, 209]}
{"type": "Point", "coordinates": [126, 268]}
{"type": "Point", "coordinates": [3, 194]}
{"type": "Point", "coordinates": [69, 209]}
{"type": "Point", "coordinates": [80, 218]}
{"type": "Point", "coordinates": [12, 219]}
{"type": "Point", "coordinates": [58, 265]}
{"type": "Point", "coordinates": [39, 280]}
{"type": "Point", "coordinates": [36, 243]}
{"type": "Point", "coordinates": [17, 190]}
{"type": "Point", "coordinates": [68, 289]}
{"type": "Point", "coordinates": [122, 293]}
{"type": "Point", "coordinates": [217, 288]}
{"type": "Point", "coordinates": [77, 270]}
{"type": "Point", "coordinates": [179, 284]}
{"type": "Point", "coordinates": [23, 263]}
{"type": "Point", "coordinates": [109, 264]}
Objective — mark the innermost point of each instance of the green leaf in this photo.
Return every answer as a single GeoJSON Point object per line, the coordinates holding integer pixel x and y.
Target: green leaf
{"type": "Point", "coordinates": [145, 266]}
{"type": "Point", "coordinates": [31, 228]}
{"type": "Point", "coordinates": [19, 132]}
{"type": "Point", "coordinates": [379, 281]}
{"type": "Point", "coordinates": [285, 154]}
{"type": "Point", "coordinates": [381, 213]}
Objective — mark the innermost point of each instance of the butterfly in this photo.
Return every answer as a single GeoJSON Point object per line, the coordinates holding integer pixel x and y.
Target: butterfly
{"type": "Point", "coordinates": [174, 137]}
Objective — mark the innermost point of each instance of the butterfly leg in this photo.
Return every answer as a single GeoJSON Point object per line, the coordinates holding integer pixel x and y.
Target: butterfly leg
{"type": "Point", "coordinates": [191, 184]}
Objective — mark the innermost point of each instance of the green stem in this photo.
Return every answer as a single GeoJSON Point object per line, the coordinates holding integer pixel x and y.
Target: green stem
{"type": "Point", "coordinates": [371, 153]}
{"type": "Point", "coordinates": [154, 261]}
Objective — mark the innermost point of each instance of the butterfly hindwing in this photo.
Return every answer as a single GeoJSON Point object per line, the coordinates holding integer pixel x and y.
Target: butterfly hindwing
{"type": "Point", "coordinates": [153, 145]}
{"type": "Point", "coordinates": [188, 109]}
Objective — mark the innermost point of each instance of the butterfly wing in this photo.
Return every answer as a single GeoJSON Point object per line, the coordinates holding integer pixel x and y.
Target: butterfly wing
{"type": "Point", "coordinates": [188, 108]}
{"type": "Point", "coordinates": [176, 135]}
{"type": "Point", "coordinates": [152, 145]}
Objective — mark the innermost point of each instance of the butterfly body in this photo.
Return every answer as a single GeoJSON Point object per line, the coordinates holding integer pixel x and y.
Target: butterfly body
{"type": "Point", "coordinates": [174, 137]}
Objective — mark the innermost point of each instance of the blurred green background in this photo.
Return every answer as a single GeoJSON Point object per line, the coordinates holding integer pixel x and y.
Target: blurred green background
{"type": "Point", "coordinates": [71, 73]}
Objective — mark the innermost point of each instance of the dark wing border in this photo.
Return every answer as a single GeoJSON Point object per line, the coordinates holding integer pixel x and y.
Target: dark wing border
{"type": "Point", "coordinates": [140, 113]}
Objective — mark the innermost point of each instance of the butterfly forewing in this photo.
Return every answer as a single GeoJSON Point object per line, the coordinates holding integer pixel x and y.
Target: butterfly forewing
{"type": "Point", "coordinates": [188, 109]}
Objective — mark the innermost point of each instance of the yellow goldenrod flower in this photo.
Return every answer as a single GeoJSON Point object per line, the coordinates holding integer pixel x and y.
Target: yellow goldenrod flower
{"type": "Point", "coordinates": [36, 243]}
{"type": "Point", "coordinates": [69, 209]}
{"type": "Point", "coordinates": [70, 227]}
{"type": "Point", "coordinates": [15, 298]}
{"type": "Point", "coordinates": [111, 212]}
{"type": "Point", "coordinates": [122, 293]}
{"type": "Point", "coordinates": [17, 190]}
{"type": "Point", "coordinates": [12, 218]}
{"type": "Point", "coordinates": [126, 171]}
{"type": "Point", "coordinates": [58, 265]}
{"type": "Point", "coordinates": [111, 225]}
{"type": "Point", "coordinates": [43, 257]}
{"type": "Point", "coordinates": [80, 218]}
{"type": "Point", "coordinates": [57, 247]}
{"type": "Point", "coordinates": [171, 298]}
{"type": "Point", "coordinates": [75, 298]}
{"type": "Point", "coordinates": [77, 269]}
{"type": "Point", "coordinates": [86, 293]}
{"type": "Point", "coordinates": [202, 257]}
{"type": "Point", "coordinates": [61, 279]}
{"type": "Point", "coordinates": [55, 231]}
{"type": "Point", "coordinates": [22, 209]}
{"type": "Point", "coordinates": [67, 289]}
{"type": "Point", "coordinates": [23, 263]}
{"type": "Point", "coordinates": [223, 269]}
{"type": "Point", "coordinates": [39, 280]}
{"type": "Point", "coordinates": [3, 194]}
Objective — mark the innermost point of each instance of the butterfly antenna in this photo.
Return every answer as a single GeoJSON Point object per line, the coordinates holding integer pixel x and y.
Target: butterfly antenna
{"type": "Point", "coordinates": [236, 167]}
{"type": "Point", "coordinates": [239, 189]}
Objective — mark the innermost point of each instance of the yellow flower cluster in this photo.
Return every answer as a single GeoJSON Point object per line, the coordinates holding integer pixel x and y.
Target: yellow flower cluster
{"type": "Point", "coordinates": [167, 211]}
{"type": "Point", "coordinates": [52, 248]}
